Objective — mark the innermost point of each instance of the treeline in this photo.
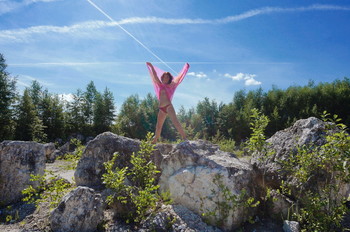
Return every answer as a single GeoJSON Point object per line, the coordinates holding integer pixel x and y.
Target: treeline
{"type": "Point", "coordinates": [41, 116]}
{"type": "Point", "coordinates": [38, 115]}
{"type": "Point", "coordinates": [215, 121]}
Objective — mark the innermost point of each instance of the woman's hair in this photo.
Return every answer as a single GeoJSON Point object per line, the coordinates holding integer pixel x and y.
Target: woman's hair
{"type": "Point", "coordinates": [169, 75]}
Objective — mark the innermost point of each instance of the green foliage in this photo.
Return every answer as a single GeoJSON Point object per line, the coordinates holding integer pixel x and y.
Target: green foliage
{"type": "Point", "coordinates": [228, 145]}
{"type": "Point", "coordinates": [257, 141]}
{"type": "Point", "coordinates": [75, 156]}
{"type": "Point", "coordinates": [7, 99]}
{"type": "Point", "coordinates": [141, 196]}
{"type": "Point", "coordinates": [9, 215]}
{"type": "Point", "coordinates": [226, 202]}
{"type": "Point", "coordinates": [29, 126]}
{"type": "Point", "coordinates": [104, 108]}
{"type": "Point", "coordinates": [92, 112]}
{"type": "Point", "coordinates": [320, 172]}
{"type": "Point", "coordinates": [50, 188]}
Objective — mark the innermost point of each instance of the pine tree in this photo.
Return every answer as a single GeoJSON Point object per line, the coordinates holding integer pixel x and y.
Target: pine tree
{"type": "Point", "coordinates": [7, 99]}
{"type": "Point", "coordinates": [29, 126]}
{"type": "Point", "coordinates": [104, 111]}
{"type": "Point", "coordinates": [90, 96]}
{"type": "Point", "coordinates": [75, 119]}
{"type": "Point", "coordinates": [52, 116]}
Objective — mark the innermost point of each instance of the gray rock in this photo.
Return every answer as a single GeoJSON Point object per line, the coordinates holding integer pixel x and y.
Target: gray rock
{"type": "Point", "coordinates": [188, 172]}
{"type": "Point", "coordinates": [279, 206]}
{"type": "Point", "coordinates": [177, 218]}
{"type": "Point", "coordinates": [19, 159]}
{"type": "Point", "coordinates": [291, 226]}
{"type": "Point", "coordinates": [49, 151]}
{"type": "Point", "coordinates": [79, 210]}
{"type": "Point", "coordinates": [54, 155]}
{"type": "Point", "coordinates": [90, 167]}
{"type": "Point", "coordinates": [285, 142]}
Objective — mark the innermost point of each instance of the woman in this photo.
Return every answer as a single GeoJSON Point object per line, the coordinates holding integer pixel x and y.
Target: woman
{"type": "Point", "coordinates": [164, 86]}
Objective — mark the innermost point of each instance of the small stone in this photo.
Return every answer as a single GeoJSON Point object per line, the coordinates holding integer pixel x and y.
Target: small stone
{"type": "Point", "coordinates": [291, 226]}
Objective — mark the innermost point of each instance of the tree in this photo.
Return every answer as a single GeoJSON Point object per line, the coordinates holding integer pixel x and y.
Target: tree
{"type": "Point", "coordinates": [29, 127]}
{"type": "Point", "coordinates": [128, 122]}
{"type": "Point", "coordinates": [209, 112]}
{"type": "Point", "coordinates": [7, 99]}
{"type": "Point", "coordinates": [36, 94]}
{"type": "Point", "coordinates": [103, 111]}
{"type": "Point", "coordinates": [52, 116]}
{"type": "Point", "coordinates": [90, 96]}
{"type": "Point", "coordinates": [75, 119]}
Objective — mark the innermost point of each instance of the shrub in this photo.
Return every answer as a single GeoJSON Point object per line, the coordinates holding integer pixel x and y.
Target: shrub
{"type": "Point", "coordinates": [141, 196]}
{"type": "Point", "coordinates": [319, 173]}
{"type": "Point", "coordinates": [50, 189]}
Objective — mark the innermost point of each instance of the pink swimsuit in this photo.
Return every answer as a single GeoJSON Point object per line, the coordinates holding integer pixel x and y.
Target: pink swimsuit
{"type": "Point", "coordinates": [169, 89]}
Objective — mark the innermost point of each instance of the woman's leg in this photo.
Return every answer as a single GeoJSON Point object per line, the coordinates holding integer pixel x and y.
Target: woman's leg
{"type": "Point", "coordinates": [160, 121]}
{"type": "Point", "coordinates": [172, 115]}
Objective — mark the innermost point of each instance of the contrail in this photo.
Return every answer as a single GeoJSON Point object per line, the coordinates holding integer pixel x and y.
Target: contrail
{"type": "Point", "coordinates": [127, 32]}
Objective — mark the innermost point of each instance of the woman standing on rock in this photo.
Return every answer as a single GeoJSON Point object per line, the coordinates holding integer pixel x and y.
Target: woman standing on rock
{"type": "Point", "coordinates": [165, 86]}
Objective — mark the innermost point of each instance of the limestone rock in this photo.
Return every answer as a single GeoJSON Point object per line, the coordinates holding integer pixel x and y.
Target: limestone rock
{"type": "Point", "coordinates": [49, 151]}
{"type": "Point", "coordinates": [177, 218]}
{"type": "Point", "coordinates": [90, 167]}
{"type": "Point", "coordinates": [79, 210]}
{"type": "Point", "coordinates": [284, 143]}
{"type": "Point", "coordinates": [19, 159]}
{"type": "Point", "coordinates": [291, 226]}
{"type": "Point", "coordinates": [189, 173]}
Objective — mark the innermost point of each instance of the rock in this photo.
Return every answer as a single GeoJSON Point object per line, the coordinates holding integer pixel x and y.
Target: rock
{"type": "Point", "coordinates": [291, 226]}
{"type": "Point", "coordinates": [49, 150]}
{"type": "Point", "coordinates": [284, 143]}
{"type": "Point", "coordinates": [90, 167]}
{"type": "Point", "coordinates": [189, 173]}
{"type": "Point", "coordinates": [79, 210]}
{"type": "Point", "coordinates": [53, 156]}
{"type": "Point", "coordinates": [19, 159]}
{"type": "Point", "coordinates": [279, 206]}
{"type": "Point", "coordinates": [176, 218]}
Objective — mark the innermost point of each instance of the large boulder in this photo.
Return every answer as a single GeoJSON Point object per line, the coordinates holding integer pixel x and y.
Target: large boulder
{"type": "Point", "coordinates": [99, 150]}
{"type": "Point", "coordinates": [198, 176]}
{"type": "Point", "coordinates": [19, 159]}
{"type": "Point", "coordinates": [285, 143]}
{"type": "Point", "coordinates": [80, 210]}
{"type": "Point", "coordinates": [310, 132]}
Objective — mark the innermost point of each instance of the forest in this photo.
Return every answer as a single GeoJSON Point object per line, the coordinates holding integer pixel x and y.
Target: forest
{"type": "Point", "coordinates": [38, 115]}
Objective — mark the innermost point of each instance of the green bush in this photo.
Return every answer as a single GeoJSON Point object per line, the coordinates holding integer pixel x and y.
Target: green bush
{"type": "Point", "coordinates": [50, 189]}
{"type": "Point", "coordinates": [76, 156]}
{"type": "Point", "coordinates": [141, 196]}
{"type": "Point", "coordinates": [320, 172]}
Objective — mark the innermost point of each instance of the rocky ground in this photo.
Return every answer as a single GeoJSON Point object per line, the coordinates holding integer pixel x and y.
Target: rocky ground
{"type": "Point", "coordinates": [197, 174]}
{"type": "Point", "coordinates": [31, 219]}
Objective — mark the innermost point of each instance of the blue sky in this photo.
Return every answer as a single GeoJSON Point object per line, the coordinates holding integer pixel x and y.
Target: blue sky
{"type": "Point", "coordinates": [230, 45]}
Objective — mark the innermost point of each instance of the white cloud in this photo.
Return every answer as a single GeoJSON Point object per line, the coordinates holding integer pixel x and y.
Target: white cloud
{"type": "Point", "coordinates": [252, 81]}
{"type": "Point", "coordinates": [199, 74]}
{"type": "Point", "coordinates": [69, 97]}
{"type": "Point", "coordinates": [249, 79]}
{"type": "Point", "coordinates": [24, 80]}
{"type": "Point", "coordinates": [85, 27]}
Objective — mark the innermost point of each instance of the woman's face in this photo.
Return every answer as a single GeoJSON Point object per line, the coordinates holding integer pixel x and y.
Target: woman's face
{"type": "Point", "coordinates": [166, 78]}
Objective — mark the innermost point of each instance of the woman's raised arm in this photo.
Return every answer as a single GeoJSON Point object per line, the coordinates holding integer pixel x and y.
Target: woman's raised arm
{"type": "Point", "coordinates": [182, 74]}
{"type": "Point", "coordinates": [153, 73]}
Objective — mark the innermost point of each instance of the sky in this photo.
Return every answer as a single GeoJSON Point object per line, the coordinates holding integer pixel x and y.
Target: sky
{"type": "Point", "coordinates": [230, 45]}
